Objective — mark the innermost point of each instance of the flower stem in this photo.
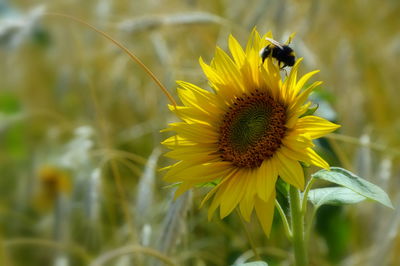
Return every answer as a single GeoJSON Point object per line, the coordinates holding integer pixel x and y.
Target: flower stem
{"type": "Point", "coordinates": [286, 226]}
{"type": "Point", "coordinates": [305, 195]}
{"type": "Point", "coordinates": [297, 227]}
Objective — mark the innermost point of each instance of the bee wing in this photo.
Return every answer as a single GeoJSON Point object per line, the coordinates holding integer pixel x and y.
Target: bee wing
{"type": "Point", "coordinates": [262, 51]}
{"type": "Point", "coordinates": [289, 40]}
{"type": "Point", "coordinates": [277, 44]}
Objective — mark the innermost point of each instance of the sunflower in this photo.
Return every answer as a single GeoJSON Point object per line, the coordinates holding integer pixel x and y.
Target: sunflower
{"type": "Point", "coordinates": [248, 131]}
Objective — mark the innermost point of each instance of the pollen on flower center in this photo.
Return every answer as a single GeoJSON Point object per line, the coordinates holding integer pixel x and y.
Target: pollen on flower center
{"type": "Point", "coordinates": [252, 129]}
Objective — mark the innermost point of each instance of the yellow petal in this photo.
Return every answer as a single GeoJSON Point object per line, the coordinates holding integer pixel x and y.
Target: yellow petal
{"type": "Point", "coordinates": [197, 132]}
{"type": "Point", "coordinates": [307, 155]}
{"type": "Point", "coordinates": [315, 159]}
{"type": "Point", "coordinates": [291, 37]}
{"type": "Point", "coordinates": [191, 153]}
{"type": "Point", "coordinates": [298, 141]}
{"type": "Point", "coordinates": [315, 126]}
{"type": "Point", "coordinates": [216, 188]}
{"type": "Point", "coordinates": [194, 96]}
{"type": "Point", "coordinates": [229, 71]}
{"type": "Point", "coordinates": [232, 194]}
{"type": "Point", "coordinates": [294, 115]}
{"type": "Point", "coordinates": [247, 203]}
{"type": "Point", "coordinates": [272, 78]}
{"type": "Point", "coordinates": [246, 208]}
{"type": "Point", "coordinates": [265, 212]}
{"type": "Point", "coordinates": [199, 95]}
{"type": "Point", "coordinates": [191, 114]}
{"type": "Point", "coordinates": [266, 178]}
{"type": "Point", "coordinates": [200, 98]}
{"type": "Point", "coordinates": [271, 86]}
{"type": "Point", "coordinates": [253, 55]}
{"type": "Point", "coordinates": [302, 97]}
{"type": "Point", "coordinates": [199, 173]}
{"type": "Point", "coordinates": [290, 170]}
{"type": "Point", "coordinates": [303, 80]}
{"type": "Point", "coordinates": [253, 44]}
{"type": "Point", "coordinates": [177, 141]}
{"type": "Point", "coordinates": [225, 89]}
{"type": "Point", "coordinates": [236, 51]}
{"type": "Point", "coordinates": [183, 187]}
{"type": "Point", "coordinates": [216, 200]}
{"type": "Point", "coordinates": [210, 72]}
{"type": "Point", "coordinates": [290, 82]}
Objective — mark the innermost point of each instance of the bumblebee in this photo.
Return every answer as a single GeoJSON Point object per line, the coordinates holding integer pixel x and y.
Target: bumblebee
{"type": "Point", "coordinates": [281, 52]}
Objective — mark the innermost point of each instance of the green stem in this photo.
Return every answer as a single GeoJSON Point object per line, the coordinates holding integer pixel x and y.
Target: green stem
{"type": "Point", "coordinates": [305, 195]}
{"type": "Point", "coordinates": [297, 227]}
{"type": "Point", "coordinates": [286, 226]}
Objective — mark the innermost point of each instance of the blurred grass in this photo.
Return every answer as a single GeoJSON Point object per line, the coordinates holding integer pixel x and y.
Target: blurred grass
{"type": "Point", "coordinates": [71, 99]}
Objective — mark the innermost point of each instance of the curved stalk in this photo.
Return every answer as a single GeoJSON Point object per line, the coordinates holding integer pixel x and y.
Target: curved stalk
{"type": "Point", "coordinates": [123, 48]}
{"type": "Point", "coordinates": [286, 226]}
{"type": "Point", "coordinates": [305, 195]}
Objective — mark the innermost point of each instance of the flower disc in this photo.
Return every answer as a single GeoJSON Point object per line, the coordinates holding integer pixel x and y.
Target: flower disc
{"type": "Point", "coordinates": [252, 129]}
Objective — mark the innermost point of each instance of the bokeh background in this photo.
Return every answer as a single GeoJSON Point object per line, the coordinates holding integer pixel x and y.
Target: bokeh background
{"type": "Point", "coordinates": [80, 129]}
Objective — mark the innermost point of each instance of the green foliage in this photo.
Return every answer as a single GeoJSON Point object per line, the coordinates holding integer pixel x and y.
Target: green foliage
{"type": "Point", "coordinates": [333, 196]}
{"type": "Point", "coordinates": [331, 223]}
{"type": "Point", "coordinates": [282, 187]}
{"type": "Point", "coordinates": [357, 184]}
{"type": "Point", "coordinates": [334, 227]}
{"type": "Point", "coordinates": [9, 103]}
{"type": "Point", "coordinates": [311, 110]}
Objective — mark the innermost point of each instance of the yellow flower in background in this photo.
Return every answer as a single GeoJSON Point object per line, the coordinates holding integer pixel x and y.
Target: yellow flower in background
{"type": "Point", "coordinates": [53, 182]}
{"type": "Point", "coordinates": [245, 133]}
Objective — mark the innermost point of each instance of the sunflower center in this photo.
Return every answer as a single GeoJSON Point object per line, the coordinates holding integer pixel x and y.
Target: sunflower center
{"type": "Point", "coordinates": [252, 129]}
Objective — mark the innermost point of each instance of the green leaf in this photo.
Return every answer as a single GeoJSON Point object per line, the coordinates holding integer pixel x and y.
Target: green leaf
{"type": "Point", "coordinates": [9, 103]}
{"type": "Point", "coordinates": [282, 187]}
{"type": "Point", "coordinates": [253, 263]}
{"type": "Point", "coordinates": [357, 184]}
{"type": "Point", "coordinates": [310, 111]}
{"type": "Point", "coordinates": [334, 196]}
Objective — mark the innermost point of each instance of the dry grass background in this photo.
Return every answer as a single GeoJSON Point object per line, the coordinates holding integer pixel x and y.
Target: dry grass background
{"type": "Point", "coordinates": [72, 102]}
